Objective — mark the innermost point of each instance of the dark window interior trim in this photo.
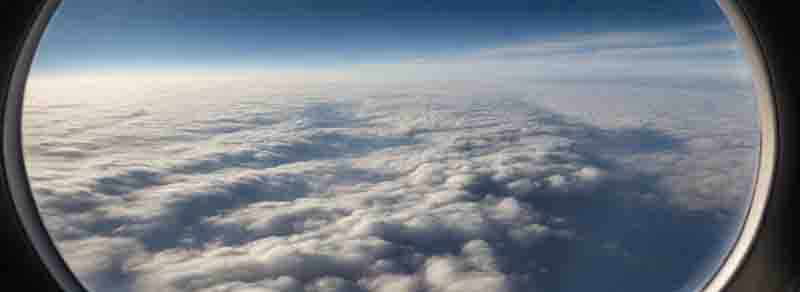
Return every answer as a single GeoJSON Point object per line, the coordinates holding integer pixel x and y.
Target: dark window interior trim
{"type": "Point", "coordinates": [767, 152]}
{"type": "Point", "coordinates": [773, 262]}
{"type": "Point", "coordinates": [13, 162]}
{"type": "Point", "coordinates": [762, 260]}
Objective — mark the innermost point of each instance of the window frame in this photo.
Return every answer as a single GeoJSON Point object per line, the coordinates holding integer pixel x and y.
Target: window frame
{"type": "Point", "coordinates": [763, 258]}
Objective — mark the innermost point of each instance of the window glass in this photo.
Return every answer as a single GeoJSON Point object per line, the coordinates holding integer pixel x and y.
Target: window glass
{"type": "Point", "coordinates": [440, 146]}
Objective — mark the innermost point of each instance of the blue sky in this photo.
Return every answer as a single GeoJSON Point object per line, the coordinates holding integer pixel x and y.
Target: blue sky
{"type": "Point", "coordinates": [147, 34]}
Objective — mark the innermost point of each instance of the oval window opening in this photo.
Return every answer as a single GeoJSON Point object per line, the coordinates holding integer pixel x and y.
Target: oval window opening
{"type": "Point", "coordinates": [382, 146]}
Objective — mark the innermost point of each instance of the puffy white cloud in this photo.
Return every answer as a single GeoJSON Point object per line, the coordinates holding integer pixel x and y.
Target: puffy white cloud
{"type": "Point", "coordinates": [451, 273]}
{"type": "Point", "coordinates": [280, 284]}
{"type": "Point", "coordinates": [100, 260]}
{"type": "Point", "coordinates": [458, 186]}
{"type": "Point", "coordinates": [394, 283]}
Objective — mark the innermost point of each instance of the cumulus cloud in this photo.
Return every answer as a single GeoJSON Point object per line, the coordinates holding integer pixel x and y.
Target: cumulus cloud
{"type": "Point", "coordinates": [435, 187]}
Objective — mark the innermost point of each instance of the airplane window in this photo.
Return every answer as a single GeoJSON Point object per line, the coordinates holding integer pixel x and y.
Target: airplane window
{"type": "Point", "coordinates": [439, 146]}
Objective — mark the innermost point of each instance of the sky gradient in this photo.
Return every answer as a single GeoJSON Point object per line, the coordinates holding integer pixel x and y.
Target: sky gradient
{"type": "Point", "coordinates": [148, 34]}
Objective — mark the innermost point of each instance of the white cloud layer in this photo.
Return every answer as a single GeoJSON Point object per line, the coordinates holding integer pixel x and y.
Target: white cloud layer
{"type": "Point", "coordinates": [409, 185]}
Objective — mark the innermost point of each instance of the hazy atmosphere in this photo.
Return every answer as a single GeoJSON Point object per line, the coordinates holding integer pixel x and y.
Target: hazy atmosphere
{"type": "Point", "coordinates": [415, 146]}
